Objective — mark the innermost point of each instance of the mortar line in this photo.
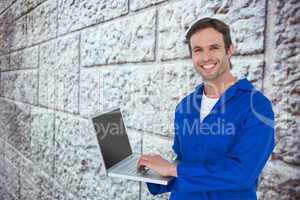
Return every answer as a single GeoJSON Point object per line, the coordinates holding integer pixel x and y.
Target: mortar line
{"type": "Point", "coordinates": [56, 34]}
{"type": "Point", "coordinates": [128, 6]}
{"type": "Point", "coordinates": [112, 20]}
{"type": "Point", "coordinates": [38, 77]}
{"type": "Point", "coordinates": [54, 145]}
{"type": "Point", "coordinates": [151, 133]}
{"type": "Point", "coordinates": [41, 107]}
{"type": "Point", "coordinates": [151, 63]}
{"type": "Point", "coordinates": [79, 73]}
{"type": "Point", "coordinates": [265, 46]}
{"type": "Point", "coordinates": [268, 45]}
{"type": "Point", "coordinates": [21, 70]}
{"type": "Point", "coordinates": [156, 56]}
{"type": "Point", "coordinates": [29, 10]}
{"type": "Point", "coordinates": [118, 18]}
{"type": "Point", "coordinates": [5, 9]}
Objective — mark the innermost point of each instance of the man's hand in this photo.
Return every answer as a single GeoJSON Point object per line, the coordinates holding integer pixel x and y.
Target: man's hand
{"type": "Point", "coordinates": [158, 164]}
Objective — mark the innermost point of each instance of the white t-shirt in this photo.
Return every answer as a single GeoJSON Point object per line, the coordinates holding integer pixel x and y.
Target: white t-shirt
{"type": "Point", "coordinates": [207, 104]}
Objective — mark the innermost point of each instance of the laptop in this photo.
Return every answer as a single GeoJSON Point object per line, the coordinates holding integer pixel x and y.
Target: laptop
{"type": "Point", "coordinates": [119, 160]}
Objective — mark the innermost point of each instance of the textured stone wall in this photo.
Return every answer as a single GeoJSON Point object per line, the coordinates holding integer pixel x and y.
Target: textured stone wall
{"type": "Point", "coordinates": [63, 60]}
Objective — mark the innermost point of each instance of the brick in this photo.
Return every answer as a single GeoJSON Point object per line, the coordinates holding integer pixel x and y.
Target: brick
{"type": "Point", "coordinates": [19, 136]}
{"type": "Point", "coordinates": [135, 140]}
{"type": "Point", "coordinates": [148, 97]}
{"type": "Point", "coordinates": [282, 84]}
{"type": "Point", "coordinates": [60, 193]}
{"type": "Point", "coordinates": [18, 36]}
{"type": "Point", "coordinates": [175, 19]}
{"type": "Point", "coordinates": [13, 155]}
{"type": "Point", "coordinates": [9, 196]}
{"type": "Point", "coordinates": [21, 7]}
{"type": "Point", "coordinates": [7, 114]}
{"type": "Point", "coordinates": [120, 188]}
{"type": "Point", "coordinates": [287, 141]}
{"type": "Point", "coordinates": [20, 86]}
{"type": "Point", "coordinates": [178, 80]}
{"type": "Point", "coordinates": [7, 26]}
{"type": "Point", "coordinates": [140, 4]}
{"type": "Point", "coordinates": [2, 190]}
{"type": "Point", "coordinates": [89, 91]}
{"type": "Point", "coordinates": [31, 172]}
{"type": "Point", "coordinates": [42, 139]}
{"type": "Point", "coordinates": [59, 74]}
{"type": "Point", "coordinates": [24, 59]}
{"type": "Point", "coordinates": [78, 160]}
{"type": "Point", "coordinates": [12, 181]}
{"type": "Point", "coordinates": [76, 152]}
{"type": "Point", "coordinates": [250, 68]}
{"type": "Point", "coordinates": [4, 63]}
{"type": "Point", "coordinates": [41, 22]}
{"type": "Point", "coordinates": [110, 188]}
{"type": "Point", "coordinates": [5, 4]}
{"type": "Point", "coordinates": [46, 186]}
{"type": "Point", "coordinates": [73, 15]}
{"type": "Point", "coordinates": [247, 28]}
{"type": "Point", "coordinates": [285, 175]}
{"type": "Point", "coordinates": [2, 158]}
{"type": "Point", "coordinates": [153, 144]}
{"type": "Point", "coordinates": [111, 43]}
{"type": "Point", "coordinates": [28, 190]}
{"type": "Point", "coordinates": [112, 82]}
{"type": "Point", "coordinates": [7, 83]}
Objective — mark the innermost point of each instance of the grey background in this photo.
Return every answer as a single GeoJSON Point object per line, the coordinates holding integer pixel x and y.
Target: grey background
{"type": "Point", "coordinates": [63, 60]}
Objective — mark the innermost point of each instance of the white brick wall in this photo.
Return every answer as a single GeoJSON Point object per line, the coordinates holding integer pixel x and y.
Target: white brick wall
{"type": "Point", "coordinates": [63, 60]}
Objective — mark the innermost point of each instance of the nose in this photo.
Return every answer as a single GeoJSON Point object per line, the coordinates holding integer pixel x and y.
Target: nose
{"type": "Point", "coordinates": [206, 56]}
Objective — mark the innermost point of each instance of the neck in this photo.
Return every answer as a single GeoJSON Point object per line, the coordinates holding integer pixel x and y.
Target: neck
{"type": "Point", "coordinates": [215, 88]}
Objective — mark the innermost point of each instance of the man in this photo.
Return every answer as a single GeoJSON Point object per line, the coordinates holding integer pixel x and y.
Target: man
{"type": "Point", "coordinates": [224, 130]}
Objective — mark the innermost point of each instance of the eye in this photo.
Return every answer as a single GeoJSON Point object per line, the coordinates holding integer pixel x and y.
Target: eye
{"type": "Point", "coordinates": [214, 47]}
{"type": "Point", "coordinates": [197, 50]}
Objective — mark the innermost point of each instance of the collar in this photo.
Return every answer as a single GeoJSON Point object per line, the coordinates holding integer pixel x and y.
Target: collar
{"type": "Point", "coordinates": [245, 84]}
{"type": "Point", "coordinates": [242, 84]}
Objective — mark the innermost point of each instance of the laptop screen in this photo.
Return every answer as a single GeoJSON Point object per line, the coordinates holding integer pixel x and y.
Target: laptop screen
{"type": "Point", "coordinates": [112, 137]}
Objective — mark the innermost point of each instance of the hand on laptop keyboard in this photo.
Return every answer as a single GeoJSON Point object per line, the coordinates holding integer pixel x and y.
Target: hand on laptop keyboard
{"type": "Point", "coordinates": [143, 169]}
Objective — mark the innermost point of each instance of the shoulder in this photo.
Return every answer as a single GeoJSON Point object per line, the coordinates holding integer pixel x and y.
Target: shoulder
{"type": "Point", "coordinates": [258, 100]}
{"type": "Point", "coordinates": [251, 95]}
{"type": "Point", "coordinates": [259, 108]}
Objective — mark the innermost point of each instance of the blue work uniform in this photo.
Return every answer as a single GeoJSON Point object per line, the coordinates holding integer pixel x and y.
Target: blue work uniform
{"type": "Point", "coordinates": [221, 157]}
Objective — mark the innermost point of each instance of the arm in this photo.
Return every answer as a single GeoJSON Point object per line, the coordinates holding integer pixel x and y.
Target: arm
{"type": "Point", "coordinates": [241, 166]}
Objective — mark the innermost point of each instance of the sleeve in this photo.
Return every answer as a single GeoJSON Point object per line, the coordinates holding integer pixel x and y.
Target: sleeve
{"type": "Point", "coordinates": [159, 189]}
{"type": "Point", "coordinates": [241, 166]}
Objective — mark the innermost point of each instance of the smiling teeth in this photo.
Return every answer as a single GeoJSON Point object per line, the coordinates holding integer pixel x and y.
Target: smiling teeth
{"type": "Point", "coordinates": [208, 66]}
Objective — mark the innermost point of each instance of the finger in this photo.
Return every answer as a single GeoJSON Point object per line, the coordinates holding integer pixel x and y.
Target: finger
{"type": "Point", "coordinates": [146, 157]}
{"type": "Point", "coordinates": [143, 158]}
{"type": "Point", "coordinates": [143, 163]}
{"type": "Point", "coordinates": [150, 157]}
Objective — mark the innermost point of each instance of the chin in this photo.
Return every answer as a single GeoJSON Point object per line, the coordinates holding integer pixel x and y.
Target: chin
{"type": "Point", "coordinates": [207, 77]}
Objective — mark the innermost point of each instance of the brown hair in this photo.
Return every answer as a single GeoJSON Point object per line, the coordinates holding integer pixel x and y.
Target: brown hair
{"type": "Point", "coordinates": [207, 22]}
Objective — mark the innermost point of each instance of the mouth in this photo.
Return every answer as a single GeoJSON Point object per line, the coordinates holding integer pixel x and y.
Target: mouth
{"type": "Point", "coordinates": [208, 66]}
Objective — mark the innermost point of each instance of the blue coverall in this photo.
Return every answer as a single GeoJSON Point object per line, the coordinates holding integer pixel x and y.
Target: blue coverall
{"type": "Point", "coordinates": [222, 157]}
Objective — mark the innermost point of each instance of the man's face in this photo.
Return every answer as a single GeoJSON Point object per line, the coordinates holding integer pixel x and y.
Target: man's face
{"type": "Point", "coordinates": [209, 54]}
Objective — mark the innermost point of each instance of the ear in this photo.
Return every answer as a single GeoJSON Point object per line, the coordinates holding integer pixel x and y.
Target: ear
{"type": "Point", "coordinates": [230, 50]}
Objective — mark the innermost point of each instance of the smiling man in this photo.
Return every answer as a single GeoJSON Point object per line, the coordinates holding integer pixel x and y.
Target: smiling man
{"type": "Point", "coordinates": [224, 130]}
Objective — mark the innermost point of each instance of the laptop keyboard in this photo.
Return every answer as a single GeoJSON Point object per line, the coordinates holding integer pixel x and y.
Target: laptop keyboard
{"type": "Point", "coordinates": [130, 167]}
